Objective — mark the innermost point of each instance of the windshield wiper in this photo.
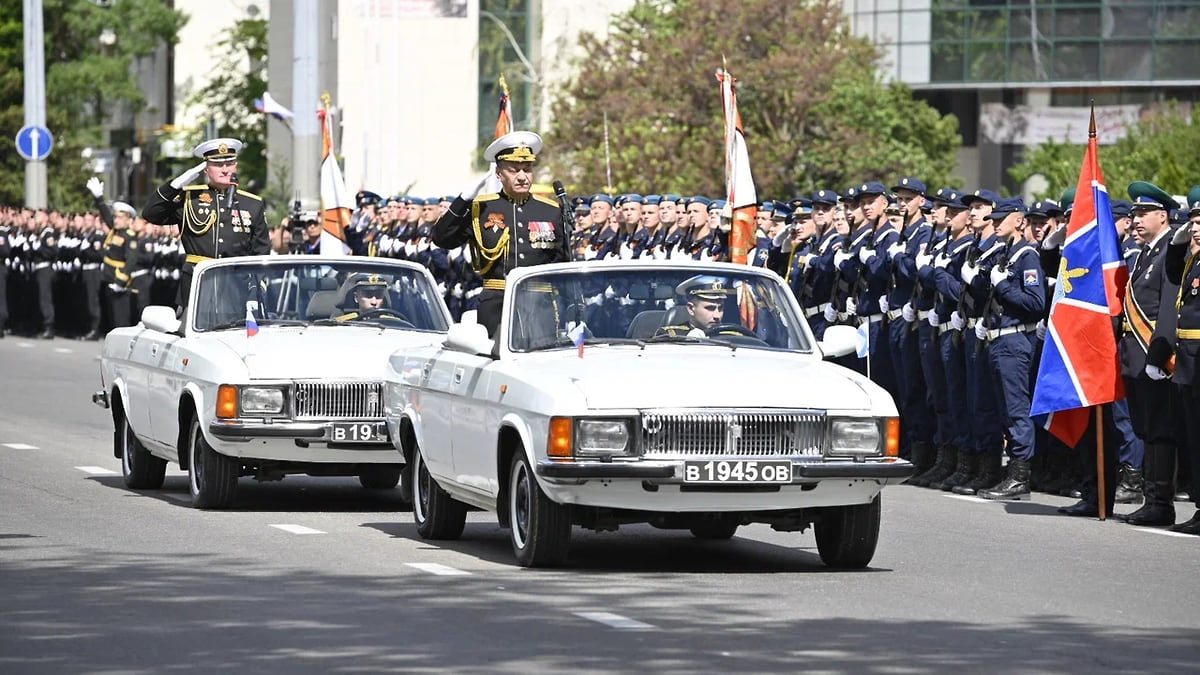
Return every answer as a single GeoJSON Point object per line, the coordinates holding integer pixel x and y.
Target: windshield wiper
{"type": "Point", "coordinates": [685, 339]}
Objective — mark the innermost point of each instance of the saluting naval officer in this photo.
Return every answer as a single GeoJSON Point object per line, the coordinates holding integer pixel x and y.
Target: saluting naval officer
{"type": "Point", "coordinates": [505, 230]}
{"type": "Point", "coordinates": [215, 218]}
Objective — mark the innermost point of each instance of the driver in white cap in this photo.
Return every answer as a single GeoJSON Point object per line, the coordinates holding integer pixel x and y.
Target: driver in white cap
{"type": "Point", "coordinates": [505, 230]}
{"type": "Point", "coordinates": [215, 218]}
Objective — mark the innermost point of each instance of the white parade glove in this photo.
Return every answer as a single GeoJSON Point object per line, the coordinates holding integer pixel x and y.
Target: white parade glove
{"type": "Point", "coordinates": [782, 237]}
{"type": "Point", "coordinates": [934, 319]}
{"type": "Point", "coordinates": [1182, 235]}
{"type": "Point", "coordinates": [175, 275]}
{"type": "Point", "coordinates": [956, 321]}
{"type": "Point", "coordinates": [35, 244]}
{"type": "Point", "coordinates": [830, 313]}
{"type": "Point", "coordinates": [851, 306]}
{"type": "Point", "coordinates": [841, 257]}
{"type": "Point", "coordinates": [76, 264]}
{"type": "Point", "coordinates": [95, 187]}
{"type": "Point", "coordinates": [457, 292]}
{"type": "Point", "coordinates": [596, 300]}
{"type": "Point", "coordinates": [474, 292]}
{"type": "Point", "coordinates": [441, 289]}
{"type": "Point", "coordinates": [1155, 373]}
{"type": "Point", "coordinates": [660, 253]}
{"type": "Point", "coordinates": [609, 293]}
{"type": "Point", "coordinates": [472, 190]}
{"type": "Point", "coordinates": [865, 254]}
{"type": "Point", "coordinates": [884, 306]}
{"type": "Point", "coordinates": [895, 249]}
{"type": "Point", "coordinates": [940, 262]}
{"type": "Point", "coordinates": [907, 311]}
{"type": "Point", "coordinates": [626, 252]}
{"type": "Point", "coordinates": [997, 275]}
{"type": "Point", "coordinates": [422, 246]}
{"type": "Point", "coordinates": [969, 272]}
{"type": "Point", "coordinates": [589, 253]}
{"type": "Point", "coordinates": [1041, 329]}
{"type": "Point", "coordinates": [188, 176]}
{"type": "Point", "coordinates": [410, 249]}
{"type": "Point", "coordinates": [924, 260]}
{"type": "Point", "coordinates": [1055, 239]}
{"type": "Point", "coordinates": [706, 256]}
{"type": "Point", "coordinates": [980, 330]}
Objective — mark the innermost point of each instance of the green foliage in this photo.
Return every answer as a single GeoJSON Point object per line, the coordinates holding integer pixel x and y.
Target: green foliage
{"type": "Point", "coordinates": [86, 83]}
{"type": "Point", "coordinates": [814, 111]}
{"type": "Point", "coordinates": [1159, 148]}
{"type": "Point", "coordinates": [228, 98]}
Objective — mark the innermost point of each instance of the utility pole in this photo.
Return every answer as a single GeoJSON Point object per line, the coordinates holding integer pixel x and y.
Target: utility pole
{"type": "Point", "coordinates": [35, 104]}
{"type": "Point", "coordinates": [306, 140]}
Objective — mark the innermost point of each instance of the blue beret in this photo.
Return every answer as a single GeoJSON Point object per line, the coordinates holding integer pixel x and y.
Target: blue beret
{"type": "Point", "coordinates": [601, 197]}
{"type": "Point", "coordinates": [699, 199]}
{"type": "Point", "coordinates": [1004, 207]}
{"type": "Point", "coordinates": [872, 187]}
{"type": "Point", "coordinates": [986, 196]}
{"type": "Point", "coordinates": [828, 197]}
{"type": "Point", "coordinates": [628, 199]}
{"type": "Point", "coordinates": [910, 183]}
{"type": "Point", "coordinates": [768, 205]}
{"type": "Point", "coordinates": [448, 198]}
{"type": "Point", "coordinates": [716, 205]}
{"type": "Point", "coordinates": [653, 199]}
{"type": "Point", "coordinates": [671, 198]}
{"type": "Point", "coordinates": [366, 197]}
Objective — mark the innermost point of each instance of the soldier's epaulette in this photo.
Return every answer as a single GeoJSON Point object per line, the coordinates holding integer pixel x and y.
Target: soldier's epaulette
{"type": "Point", "coordinates": [249, 194]}
{"type": "Point", "coordinates": [346, 317]}
{"type": "Point", "coordinates": [488, 197]}
{"type": "Point", "coordinates": [198, 186]}
{"type": "Point", "coordinates": [545, 200]}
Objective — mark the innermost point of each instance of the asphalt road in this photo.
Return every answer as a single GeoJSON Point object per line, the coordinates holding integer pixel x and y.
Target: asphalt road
{"type": "Point", "coordinates": [320, 575]}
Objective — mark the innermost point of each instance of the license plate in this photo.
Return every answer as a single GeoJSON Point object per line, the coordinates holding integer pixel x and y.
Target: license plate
{"type": "Point", "coordinates": [738, 471]}
{"type": "Point", "coordinates": [356, 432]}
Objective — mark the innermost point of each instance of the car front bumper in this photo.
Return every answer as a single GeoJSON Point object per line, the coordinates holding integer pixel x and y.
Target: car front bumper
{"type": "Point", "coordinates": [322, 431]}
{"type": "Point", "coordinates": [670, 472]}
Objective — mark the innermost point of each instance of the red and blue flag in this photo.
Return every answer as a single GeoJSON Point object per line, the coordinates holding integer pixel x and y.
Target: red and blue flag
{"type": "Point", "coordinates": [1079, 367]}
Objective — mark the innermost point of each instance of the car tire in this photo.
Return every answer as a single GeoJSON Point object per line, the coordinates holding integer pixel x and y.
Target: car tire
{"type": "Point", "coordinates": [540, 529]}
{"type": "Point", "coordinates": [847, 535]}
{"type": "Point", "coordinates": [141, 470]}
{"type": "Point", "coordinates": [212, 477]}
{"type": "Point", "coordinates": [715, 529]}
{"type": "Point", "coordinates": [380, 477]}
{"type": "Point", "coordinates": [436, 513]}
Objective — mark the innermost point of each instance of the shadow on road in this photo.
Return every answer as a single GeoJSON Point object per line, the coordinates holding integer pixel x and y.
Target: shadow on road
{"type": "Point", "coordinates": [294, 493]}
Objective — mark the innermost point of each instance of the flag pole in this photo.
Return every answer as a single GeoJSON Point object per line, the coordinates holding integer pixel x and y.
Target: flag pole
{"type": "Point", "coordinates": [607, 164]}
{"type": "Point", "coordinates": [1101, 479]}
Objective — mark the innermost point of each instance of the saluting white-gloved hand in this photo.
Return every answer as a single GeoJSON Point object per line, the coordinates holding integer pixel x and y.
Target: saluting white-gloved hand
{"type": "Point", "coordinates": [969, 272]}
{"type": "Point", "coordinates": [782, 237]}
{"type": "Point", "coordinates": [895, 249]}
{"type": "Point", "coordinates": [865, 255]}
{"type": "Point", "coordinates": [830, 313]}
{"type": "Point", "coordinates": [934, 319]}
{"type": "Point", "coordinates": [95, 187]}
{"type": "Point", "coordinates": [1041, 329]}
{"type": "Point", "coordinates": [1155, 373]}
{"type": "Point", "coordinates": [596, 300]}
{"type": "Point", "coordinates": [188, 176]}
{"type": "Point", "coordinates": [884, 305]}
{"type": "Point", "coordinates": [851, 306]}
{"type": "Point", "coordinates": [956, 321]}
{"type": "Point", "coordinates": [1055, 239]}
{"type": "Point", "coordinates": [997, 275]}
{"type": "Point", "coordinates": [472, 189]}
{"type": "Point", "coordinates": [1183, 234]}
{"type": "Point", "coordinates": [907, 311]}
{"type": "Point", "coordinates": [981, 330]}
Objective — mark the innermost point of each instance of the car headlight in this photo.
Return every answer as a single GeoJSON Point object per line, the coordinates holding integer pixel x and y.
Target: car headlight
{"type": "Point", "coordinates": [854, 436]}
{"type": "Point", "coordinates": [261, 400]}
{"type": "Point", "coordinates": [602, 438]}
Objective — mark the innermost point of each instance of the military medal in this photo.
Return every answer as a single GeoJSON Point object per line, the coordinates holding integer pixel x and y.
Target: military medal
{"type": "Point", "coordinates": [205, 198]}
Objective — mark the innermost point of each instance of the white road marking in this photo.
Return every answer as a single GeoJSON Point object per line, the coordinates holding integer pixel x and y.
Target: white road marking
{"type": "Point", "coordinates": [1168, 533]}
{"type": "Point", "coordinates": [63, 350]}
{"type": "Point", "coordinates": [969, 498]}
{"type": "Point", "coordinates": [440, 570]}
{"type": "Point", "coordinates": [96, 470]}
{"type": "Point", "coordinates": [25, 345]}
{"type": "Point", "coordinates": [296, 529]}
{"type": "Point", "coordinates": [613, 620]}
{"type": "Point", "coordinates": [20, 446]}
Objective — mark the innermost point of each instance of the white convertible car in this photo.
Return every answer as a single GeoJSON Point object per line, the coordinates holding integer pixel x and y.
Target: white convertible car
{"type": "Point", "coordinates": [681, 395]}
{"type": "Point", "coordinates": [275, 368]}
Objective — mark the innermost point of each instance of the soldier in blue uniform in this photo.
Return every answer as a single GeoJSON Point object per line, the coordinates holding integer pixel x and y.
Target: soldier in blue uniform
{"type": "Point", "coordinates": [874, 276]}
{"type": "Point", "coordinates": [760, 254]}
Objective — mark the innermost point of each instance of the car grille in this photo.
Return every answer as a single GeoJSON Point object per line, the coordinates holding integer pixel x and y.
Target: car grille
{"type": "Point", "coordinates": [351, 400]}
{"type": "Point", "coordinates": [696, 433]}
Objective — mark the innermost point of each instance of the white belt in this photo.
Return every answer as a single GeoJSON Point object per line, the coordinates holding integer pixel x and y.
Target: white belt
{"type": "Point", "coordinates": [894, 314]}
{"type": "Point", "coordinates": [874, 318]}
{"type": "Point", "coordinates": [41, 265]}
{"type": "Point", "coordinates": [924, 314]}
{"type": "Point", "coordinates": [972, 321]}
{"type": "Point", "coordinates": [945, 327]}
{"type": "Point", "coordinates": [134, 275]}
{"type": "Point", "coordinates": [91, 266]}
{"type": "Point", "coordinates": [1000, 332]}
{"type": "Point", "coordinates": [810, 312]}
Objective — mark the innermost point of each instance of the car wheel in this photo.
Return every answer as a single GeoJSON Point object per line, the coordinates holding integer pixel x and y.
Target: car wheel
{"type": "Point", "coordinates": [380, 477]}
{"type": "Point", "coordinates": [715, 528]}
{"type": "Point", "coordinates": [540, 528]}
{"type": "Point", "coordinates": [212, 477]}
{"type": "Point", "coordinates": [847, 535]}
{"type": "Point", "coordinates": [141, 470]}
{"type": "Point", "coordinates": [437, 514]}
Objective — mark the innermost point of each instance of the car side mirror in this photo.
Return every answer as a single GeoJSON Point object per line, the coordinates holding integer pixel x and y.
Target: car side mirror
{"type": "Point", "coordinates": [471, 338]}
{"type": "Point", "coordinates": [160, 318]}
{"type": "Point", "coordinates": [839, 341]}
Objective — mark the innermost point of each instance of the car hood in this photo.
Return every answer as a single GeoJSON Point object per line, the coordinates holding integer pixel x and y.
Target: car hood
{"type": "Point", "coordinates": [320, 352]}
{"type": "Point", "coordinates": [705, 376]}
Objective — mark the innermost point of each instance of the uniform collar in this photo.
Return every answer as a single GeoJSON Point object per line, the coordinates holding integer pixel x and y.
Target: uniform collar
{"type": "Point", "coordinates": [514, 200]}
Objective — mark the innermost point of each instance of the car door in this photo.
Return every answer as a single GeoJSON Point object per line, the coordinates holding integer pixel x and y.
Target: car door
{"type": "Point", "coordinates": [164, 384]}
{"type": "Point", "coordinates": [473, 407]}
{"type": "Point", "coordinates": [133, 371]}
{"type": "Point", "coordinates": [433, 403]}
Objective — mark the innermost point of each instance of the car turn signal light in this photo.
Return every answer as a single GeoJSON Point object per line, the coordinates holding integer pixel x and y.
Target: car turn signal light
{"type": "Point", "coordinates": [227, 401]}
{"type": "Point", "coordinates": [893, 437]}
{"type": "Point", "coordinates": [560, 442]}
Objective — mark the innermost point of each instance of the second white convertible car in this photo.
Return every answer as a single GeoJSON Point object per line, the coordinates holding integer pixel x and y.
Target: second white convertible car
{"type": "Point", "coordinates": [276, 368]}
{"type": "Point", "coordinates": [682, 395]}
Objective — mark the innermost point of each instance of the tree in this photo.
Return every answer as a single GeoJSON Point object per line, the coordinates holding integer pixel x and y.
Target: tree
{"type": "Point", "coordinates": [228, 98]}
{"type": "Point", "coordinates": [87, 82]}
{"type": "Point", "coordinates": [1159, 148]}
{"type": "Point", "coordinates": [815, 111]}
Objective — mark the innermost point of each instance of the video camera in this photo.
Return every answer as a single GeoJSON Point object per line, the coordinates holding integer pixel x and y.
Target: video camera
{"type": "Point", "coordinates": [298, 217]}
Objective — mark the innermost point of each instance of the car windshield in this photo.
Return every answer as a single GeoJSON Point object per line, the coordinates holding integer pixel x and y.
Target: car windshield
{"type": "Point", "coordinates": [678, 304]}
{"type": "Point", "coordinates": [356, 292]}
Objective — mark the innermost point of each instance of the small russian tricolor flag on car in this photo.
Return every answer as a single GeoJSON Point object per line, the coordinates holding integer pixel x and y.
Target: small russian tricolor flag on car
{"type": "Point", "coordinates": [251, 324]}
{"type": "Point", "coordinates": [576, 334]}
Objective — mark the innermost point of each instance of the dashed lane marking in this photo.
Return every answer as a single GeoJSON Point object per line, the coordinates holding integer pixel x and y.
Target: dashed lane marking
{"type": "Point", "coordinates": [296, 529]}
{"type": "Point", "coordinates": [1168, 533]}
{"type": "Point", "coordinates": [440, 570]}
{"type": "Point", "coordinates": [63, 350]}
{"type": "Point", "coordinates": [96, 470]}
{"type": "Point", "coordinates": [20, 446]}
{"type": "Point", "coordinates": [25, 345]}
{"type": "Point", "coordinates": [969, 498]}
{"type": "Point", "coordinates": [614, 620]}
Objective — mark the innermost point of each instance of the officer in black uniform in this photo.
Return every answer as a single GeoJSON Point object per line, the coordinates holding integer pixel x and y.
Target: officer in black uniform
{"type": "Point", "coordinates": [120, 257]}
{"type": "Point", "coordinates": [1183, 264]}
{"type": "Point", "coordinates": [216, 220]}
{"type": "Point", "coordinates": [505, 230]}
{"type": "Point", "coordinates": [43, 253]}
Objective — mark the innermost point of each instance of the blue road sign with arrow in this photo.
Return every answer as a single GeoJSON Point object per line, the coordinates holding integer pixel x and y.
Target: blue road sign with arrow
{"type": "Point", "coordinates": [34, 142]}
